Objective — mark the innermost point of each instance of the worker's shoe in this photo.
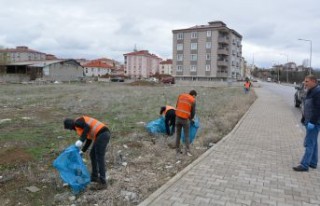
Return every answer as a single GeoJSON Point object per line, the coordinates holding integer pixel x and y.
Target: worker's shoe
{"type": "Point", "coordinates": [101, 186]}
{"type": "Point", "coordinates": [300, 168]}
{"type": "Point", "coordinates": [95, 179]}
{"type": "Point", "coordinates": [313, 166]}
{"type": "Point", "coordinates": [98, 186]}
{"type": "Point", "coordinates": [178, 151]}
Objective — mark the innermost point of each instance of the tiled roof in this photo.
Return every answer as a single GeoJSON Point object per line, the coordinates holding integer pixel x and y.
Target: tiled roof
{"type": "Point", "coordinates": [98, 64]}
{"type": "Point", "coordinates": [168, 61]}
{"type": "Point", "coordinates": [142, 53]}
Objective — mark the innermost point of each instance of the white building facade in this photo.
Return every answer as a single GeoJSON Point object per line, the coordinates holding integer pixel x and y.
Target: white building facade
{"type": "Point", "coordinates": [166, 67]}
{"type": "Point", "coordinates": [141, 64]}
{"type": "Point", "coordinates": [97, 68]}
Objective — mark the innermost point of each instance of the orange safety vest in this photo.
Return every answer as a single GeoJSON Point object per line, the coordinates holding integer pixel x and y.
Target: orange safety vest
{"type": "Point", "coordinates": [247, 85]}
{"type": "Point", "coordinates": [184, 105]}
{"type": "Point", "coordinates": [94, 125]}
{"type": "Point", "coordinates": [168, 108]}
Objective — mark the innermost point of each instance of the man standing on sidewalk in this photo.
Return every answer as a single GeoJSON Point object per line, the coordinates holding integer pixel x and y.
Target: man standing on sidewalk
{"type": "Point", "coordinates": [185, 111]}
{"type": "Point", "coordinates": [311, 120]}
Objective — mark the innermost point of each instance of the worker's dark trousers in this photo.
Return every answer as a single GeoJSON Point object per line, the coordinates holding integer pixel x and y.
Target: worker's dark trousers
{"type": "Point", "coordinates": [185, 125]}
{"type": "Point", "coordinates": [97, 155]}
{"type": "Point", "coordinates": [170, 122]}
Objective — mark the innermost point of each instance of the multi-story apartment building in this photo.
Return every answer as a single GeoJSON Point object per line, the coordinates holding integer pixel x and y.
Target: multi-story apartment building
{"type": "Point", "coordinates": [166, 67]}
{"type": "Point", "coordinates": [207, 52]}
{"type": "Point", "coordinates": [141, 64]}
{"type": "Point", "coordinates": [20, 54]}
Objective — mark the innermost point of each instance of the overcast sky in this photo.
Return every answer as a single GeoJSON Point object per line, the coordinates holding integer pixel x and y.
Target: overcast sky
{"type": "Point", "coordinates": [109, 28]}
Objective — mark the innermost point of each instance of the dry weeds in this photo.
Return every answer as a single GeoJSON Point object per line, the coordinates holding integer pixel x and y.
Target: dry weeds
{"type": "Point", "coordinates": [137, 166]}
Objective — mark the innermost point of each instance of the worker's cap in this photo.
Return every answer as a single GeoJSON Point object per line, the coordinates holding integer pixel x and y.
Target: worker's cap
{"type": "Point", "coordinates": [193, 93]}
{"type": "Point", "coordinates": [68, 123]}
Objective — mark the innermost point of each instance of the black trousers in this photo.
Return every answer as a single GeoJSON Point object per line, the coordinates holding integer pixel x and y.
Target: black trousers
{"type": "Point", "coordinates": [97, 156]}
{"type": "Point", "coordinates": [170, 121]}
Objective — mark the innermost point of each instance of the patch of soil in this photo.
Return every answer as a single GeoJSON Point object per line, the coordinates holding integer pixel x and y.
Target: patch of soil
{"type": "Point", "coordinates": [14, 156]}
{"type": "Point", "coordinates": [142, 83]}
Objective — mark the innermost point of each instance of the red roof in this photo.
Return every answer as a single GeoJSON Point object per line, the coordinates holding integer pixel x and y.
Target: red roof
{"type": "Point", "coordinates": [168, 61]}
{"type": "Point", "coordinates": [142, 53]}
{"type": "Point", "coordinates": [98, 64]}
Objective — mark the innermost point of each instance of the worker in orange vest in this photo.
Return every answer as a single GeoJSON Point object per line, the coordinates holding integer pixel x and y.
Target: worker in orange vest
{"type": "Point", "coordinates": [185, 111]}
{"type": "Point", "coordinates": [247, 86]}
{"type": "Point", "coordinates": [91, 130]}
{"type": "Point", "coordinates": [170, 118]}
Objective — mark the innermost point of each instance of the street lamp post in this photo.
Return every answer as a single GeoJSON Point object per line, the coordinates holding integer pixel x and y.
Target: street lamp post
{"type": "Point", "coordinates": [310, 52]}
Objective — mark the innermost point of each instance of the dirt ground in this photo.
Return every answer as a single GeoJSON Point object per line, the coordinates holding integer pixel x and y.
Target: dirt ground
{"type": "Point", "coordinates": [138, 163]}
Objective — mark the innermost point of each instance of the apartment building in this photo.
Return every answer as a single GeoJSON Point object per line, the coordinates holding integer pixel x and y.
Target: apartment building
{"type": "Point", "coordinates": [207, 52]}
{"type": "Point", "coordinates": [166, 67]}
{"type": "Point", "coordinates": [21, 54]}
{"type": "Point", "coordinates": [141, 64]}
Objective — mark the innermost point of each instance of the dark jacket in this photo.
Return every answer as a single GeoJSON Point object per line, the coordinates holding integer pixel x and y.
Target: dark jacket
{"type": "Point", "coordinates": [312, 106]}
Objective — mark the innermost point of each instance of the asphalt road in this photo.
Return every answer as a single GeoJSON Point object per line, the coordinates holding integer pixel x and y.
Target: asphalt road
{"type": "Point", "coordinates": [286, 91]}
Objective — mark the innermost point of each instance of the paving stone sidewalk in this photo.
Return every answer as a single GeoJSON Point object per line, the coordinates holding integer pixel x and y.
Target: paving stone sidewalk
{"type": "Point", "coordinates": [251, 166]}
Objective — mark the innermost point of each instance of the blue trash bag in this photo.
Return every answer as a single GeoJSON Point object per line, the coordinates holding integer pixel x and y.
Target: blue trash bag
{"type": "Point", "coordinates": [72, 169]}
{"type": "Point", "coordinates": [192, 131]}
{"type": "Point", "coordinates": [156, 126]}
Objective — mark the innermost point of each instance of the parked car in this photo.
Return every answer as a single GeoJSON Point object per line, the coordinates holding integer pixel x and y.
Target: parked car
{"type": "Point", "coordinates": [299, 95]}
{"type": "Point", "coordinates": [153, 79]}
{"type": "Point", "coordinates": [117, 79]}
{"type": "Point", "coordinates": [168, 80]}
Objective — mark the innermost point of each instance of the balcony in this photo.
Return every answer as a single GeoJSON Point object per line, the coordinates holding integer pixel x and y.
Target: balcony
{"type": "Point", "coordinates": [223, 40]}
{"type": "Point", "coordinates": [223, 63]}
{"type": "Point", "coordinates": [223, 51]}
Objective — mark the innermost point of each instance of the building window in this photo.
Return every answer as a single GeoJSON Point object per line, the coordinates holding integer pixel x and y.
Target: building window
{"type": "Point", "coordinates": [208, 67]}
{"type": "Point", "coordinates": [193, 68]}
{"type": "Point", "coordinates": [179, 68]}
{"type": "Point", "coordinates": [194, 35]}
{"type": "Point", "coordinates": [180, 57]}
{"type": "Point", "coordinates": [208, 33]}
{"type": "Point", "coordinates": [208, 56]}
{"type": "Point", "coordinates": [179, 47]}
{"type": "Point", "coordinates": [208, 45]}
{"type": "Point", "coordinates": [194, 46]}
{"type": "Point", "coordinates": [194, 57]}
{"type": "Point", "coordinates": [180, 36]}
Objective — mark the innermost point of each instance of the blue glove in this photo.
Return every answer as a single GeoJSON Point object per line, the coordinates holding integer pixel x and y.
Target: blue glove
{"type": "Point", "coordinates": [310, 126]}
